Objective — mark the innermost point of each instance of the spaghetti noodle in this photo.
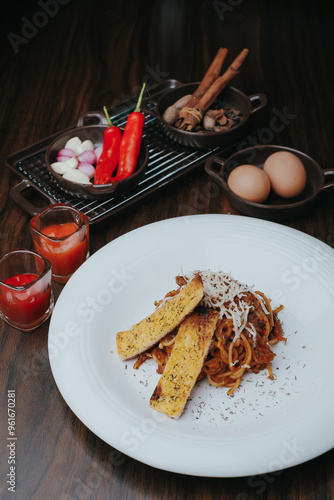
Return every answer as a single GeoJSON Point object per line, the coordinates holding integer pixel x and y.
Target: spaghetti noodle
{"type": "Point", "coordinates": [247, 329]}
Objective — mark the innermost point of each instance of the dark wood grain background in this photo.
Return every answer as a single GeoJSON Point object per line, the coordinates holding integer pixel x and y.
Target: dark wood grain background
{"type": "Point", "coordinates": [80, 56]}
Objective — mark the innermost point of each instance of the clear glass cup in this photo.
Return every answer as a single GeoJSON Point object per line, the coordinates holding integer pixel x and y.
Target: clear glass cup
{"type": "Point", "coordinates": [26, 297]}
{"type": "Point", "coordinates": [61, 234]}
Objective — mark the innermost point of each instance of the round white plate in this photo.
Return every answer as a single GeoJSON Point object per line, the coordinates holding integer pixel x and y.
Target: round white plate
{"type": "Point", "coordinates": [268, 425]}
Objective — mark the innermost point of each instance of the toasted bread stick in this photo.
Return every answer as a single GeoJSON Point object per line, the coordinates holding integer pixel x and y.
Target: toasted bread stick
{"type": "Point", "coordinates": [185, 362]}
{"type": "Point", "coordinates": [163, 320]}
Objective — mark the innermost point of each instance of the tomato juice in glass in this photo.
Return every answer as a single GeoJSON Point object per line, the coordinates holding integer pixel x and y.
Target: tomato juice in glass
{"type": "Point", "coordinates": [26, 298]}
{"type": "Point", "coordinates": [61, 234]}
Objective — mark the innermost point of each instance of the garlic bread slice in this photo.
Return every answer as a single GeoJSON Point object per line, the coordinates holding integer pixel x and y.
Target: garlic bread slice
{"type": "Point", "coordinates": [185, 362]}
{"type": "Point", "coordinates": [163, 320]}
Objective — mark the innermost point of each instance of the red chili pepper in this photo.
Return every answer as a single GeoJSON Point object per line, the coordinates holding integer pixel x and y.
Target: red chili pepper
{"type": "Point", "coordinates": [131, 141]}
{"type": "Point", "coordinates": [108, 160]}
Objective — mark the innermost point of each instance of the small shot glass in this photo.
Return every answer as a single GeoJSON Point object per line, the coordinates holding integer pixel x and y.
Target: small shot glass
{"type": "Point", "coordinates": [61, 235]}
{"type": "Point", "coordinates": [26, 297]}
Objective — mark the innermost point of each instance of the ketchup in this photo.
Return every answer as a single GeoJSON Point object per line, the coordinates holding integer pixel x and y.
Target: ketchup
{"type": "Point", "coordinates": [65, 252]}
{"type": "Point", "coordinates": [25, 305]}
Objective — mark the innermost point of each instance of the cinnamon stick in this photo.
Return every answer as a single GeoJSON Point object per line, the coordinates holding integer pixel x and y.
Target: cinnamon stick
{"type": "Point", "coordinates": [222, 81]}
{"type": "Point", "coordinates": [188, 118]}
{"type": "Point", "coordinates": [209, 77]}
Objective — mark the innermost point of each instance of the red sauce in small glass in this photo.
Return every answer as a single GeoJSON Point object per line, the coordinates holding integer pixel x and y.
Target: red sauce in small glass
{"type": "Point", "coordinates": [25, 306]}
{"type": "Point", "coordinates": [65, 255]}
{"type": "Point", "coordinates": [21, 279]}
{"type": "Point", "coordinates": [60, 230]}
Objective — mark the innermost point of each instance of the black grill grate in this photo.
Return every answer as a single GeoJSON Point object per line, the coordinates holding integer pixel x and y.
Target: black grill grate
{"type": "Point", "coordinates": [167, 162]}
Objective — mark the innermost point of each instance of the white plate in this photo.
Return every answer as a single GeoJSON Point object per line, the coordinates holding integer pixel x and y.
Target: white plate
{"type": "Point", "coordinates": [269, 424]}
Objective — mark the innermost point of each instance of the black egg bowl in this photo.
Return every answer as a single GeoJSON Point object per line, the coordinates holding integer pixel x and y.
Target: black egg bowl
{"type": "Point", "coordinates": [275, 208]}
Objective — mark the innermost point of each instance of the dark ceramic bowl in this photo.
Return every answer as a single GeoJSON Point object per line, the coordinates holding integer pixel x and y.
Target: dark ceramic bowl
{"type": "Point", "coordinates": [95, 134]}
{"type": "Point", "coordinates": [248, 105]}
{"type": "Point", "coordinates": [274, 208]}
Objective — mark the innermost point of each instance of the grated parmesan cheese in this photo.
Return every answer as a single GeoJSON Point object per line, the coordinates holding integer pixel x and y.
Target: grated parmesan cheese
{"type": "Point", "coordinates": [220, 292]}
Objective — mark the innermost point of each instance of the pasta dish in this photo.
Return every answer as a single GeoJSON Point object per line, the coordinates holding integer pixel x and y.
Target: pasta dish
{"type": "Point", "coordinates": [245, 332]}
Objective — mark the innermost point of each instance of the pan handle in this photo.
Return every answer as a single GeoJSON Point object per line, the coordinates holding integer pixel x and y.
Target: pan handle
{"type": "Point", "coordinates": [92, 114]}
{"type": "Point", "coordinates": [258, 101]}
{"type": "Point", "coordinates": [328, 173]}
{"type": "Point", "coordinates": [148, 106]}
{"type": "Point", "coordinates": [210, 169]}
{"type": "Point", "coordinates": [17, 195]}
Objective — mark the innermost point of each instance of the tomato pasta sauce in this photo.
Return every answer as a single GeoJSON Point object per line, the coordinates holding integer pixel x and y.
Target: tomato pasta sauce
{"type": "Point", "coordinates": [243, 339]}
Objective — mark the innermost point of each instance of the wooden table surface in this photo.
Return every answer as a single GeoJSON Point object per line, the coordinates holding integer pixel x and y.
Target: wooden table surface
{"type": "Point", "coordinates": [61, 58]}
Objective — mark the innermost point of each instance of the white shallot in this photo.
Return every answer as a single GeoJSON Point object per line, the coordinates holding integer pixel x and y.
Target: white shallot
{"type": "Point", "coordinates": [85, 146]}
{"type": "Point", "coordinates": [73, 143]}
{"type": "Point", "coordinates": [76, 176]}
{"type": "Point", "coordinates": [61, 167]}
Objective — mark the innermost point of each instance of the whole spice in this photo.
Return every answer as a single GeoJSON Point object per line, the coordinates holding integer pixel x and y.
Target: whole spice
{"type": "Point", "coordinates": [189, 117]}
{"type": "Point", "coordinates": [109, 157]}
{"type": "Point", "coordinates": [209, 78]}
{"type": "Point", "coordinates": [131, 141]}
{"type": "Point", "coordinates": [190, 100]}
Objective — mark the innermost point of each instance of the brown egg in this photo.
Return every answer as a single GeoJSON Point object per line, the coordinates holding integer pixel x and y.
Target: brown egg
{"type": "Point", "coordinates": [286, 172]}
{"type": "Point", "coordinates": [249, 182]}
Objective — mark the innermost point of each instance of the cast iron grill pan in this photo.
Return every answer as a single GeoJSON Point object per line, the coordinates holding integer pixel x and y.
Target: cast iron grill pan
{"type": "Point", "coordinates": [168, 161]}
